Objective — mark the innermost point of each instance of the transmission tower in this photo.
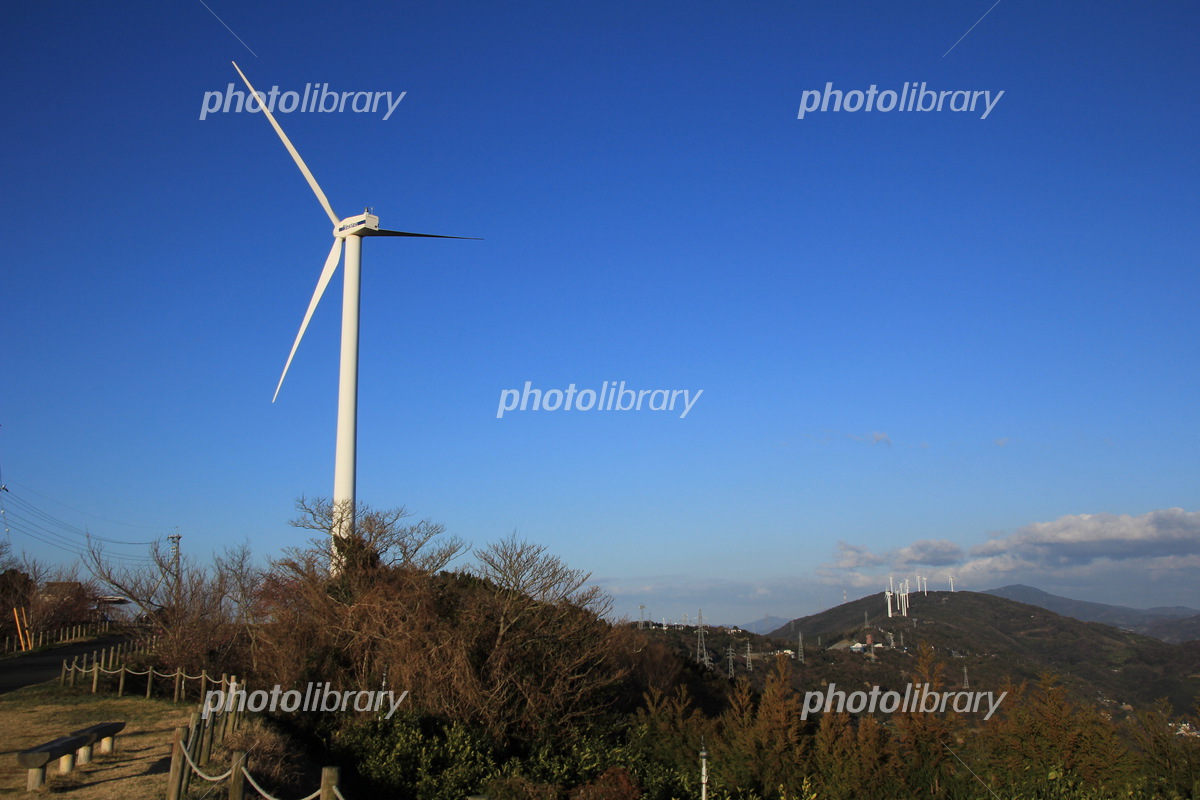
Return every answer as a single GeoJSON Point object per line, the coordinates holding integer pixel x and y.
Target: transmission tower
{"type": "Point", "coordinates": [800, 647]}
{"type": "Point", "coordinates": [641, 615]}
{"type": "Point", "coordinates": [749, 661]}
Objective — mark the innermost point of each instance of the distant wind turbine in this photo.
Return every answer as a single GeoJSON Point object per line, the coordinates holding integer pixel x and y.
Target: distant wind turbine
{"type": "Point", "coordinates": [350, 231]}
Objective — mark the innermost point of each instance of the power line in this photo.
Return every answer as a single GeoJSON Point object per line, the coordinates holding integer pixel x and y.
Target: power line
{"type": "Point", "coordinates": [85, 513]}
{"type": "Point", "coordinates": [28, 508]}
{"type": "Point", "coordinates": [20, 515]}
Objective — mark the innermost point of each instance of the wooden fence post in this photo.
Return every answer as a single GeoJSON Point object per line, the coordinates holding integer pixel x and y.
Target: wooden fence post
{"type": "Point", "coordinates": [62, 679]}
{"type": "Point", "coordinates": [149, 680]}
{"type": "Point", "coordinates": [237, 781]}
{"type": "Point", "coordinates": [74, 661]}
{"type": "Point", "coordinates": [206, 743]}
{"type": "Point", "coordinates": [193, 747]}
{"type": "Point", "coordinates": [178, 681]}
{"type": "Point", "coordinates": [178, 765]}
{"type": "Point", "coordinates": [121, 683]}
{"type": "Point", "coordinates": [95, 675]}
{"type": "Point", "coordinates": [329, 782]}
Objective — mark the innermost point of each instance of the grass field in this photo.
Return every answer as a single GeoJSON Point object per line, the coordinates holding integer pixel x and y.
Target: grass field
{"type": "Point", "coordinates": [136, 771]}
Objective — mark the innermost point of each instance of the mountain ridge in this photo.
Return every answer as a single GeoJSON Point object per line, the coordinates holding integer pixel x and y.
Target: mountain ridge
{"type": "Point", "coordinates": [1168, 623]}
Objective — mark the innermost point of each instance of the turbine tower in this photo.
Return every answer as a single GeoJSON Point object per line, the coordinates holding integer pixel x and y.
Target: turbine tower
{"type": "Point", "coordinates": [349, 231]}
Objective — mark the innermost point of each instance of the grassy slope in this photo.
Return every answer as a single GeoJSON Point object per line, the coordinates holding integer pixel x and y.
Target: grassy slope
{"type": "Point", "coordinates": [138, 769]}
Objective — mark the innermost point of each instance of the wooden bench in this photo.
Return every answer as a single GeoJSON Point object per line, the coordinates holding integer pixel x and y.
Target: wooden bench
{"type": "Point", "coordinates": [104, 732]}
{"type": "Point", "coordinates": [66, 749]}
{"type": "Point", "coordinates": [35, 759]}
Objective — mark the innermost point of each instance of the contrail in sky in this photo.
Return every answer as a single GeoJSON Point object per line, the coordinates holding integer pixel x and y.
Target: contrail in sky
{"type": "Point", "coordinates": [943, 54]}
{"type": "Point", "coordinates": [256, 54]}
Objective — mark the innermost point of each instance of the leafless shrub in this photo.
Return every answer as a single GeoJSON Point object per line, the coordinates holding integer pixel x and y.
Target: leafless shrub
{"type": "Point", "coordinates": [185, 603]}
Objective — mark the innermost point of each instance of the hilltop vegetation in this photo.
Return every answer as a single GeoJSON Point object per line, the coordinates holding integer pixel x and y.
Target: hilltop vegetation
{"type": "Point", "coordinates": [996, 638]}
{"type": "Point", "coordinates": [519, 687]}
{"type": "Point", "coordinates": [1171, 624]}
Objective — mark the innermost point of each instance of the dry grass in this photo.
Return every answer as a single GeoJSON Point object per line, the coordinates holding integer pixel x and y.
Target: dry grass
{"type": "Point", "coordinates": [275, 761]}
{"type": "Point", "coordinates": [136, 771]}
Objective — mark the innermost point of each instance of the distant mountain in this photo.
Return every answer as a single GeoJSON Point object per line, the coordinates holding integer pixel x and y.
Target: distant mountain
{"type": "Point", "coordinates": [995, 638]}
{"type": "Point", "coordinates": [764, 624]}
{"type": "Point", "coordinates": [1175, 630]}
{"type": "Point", "coordinates": [1161, 623]}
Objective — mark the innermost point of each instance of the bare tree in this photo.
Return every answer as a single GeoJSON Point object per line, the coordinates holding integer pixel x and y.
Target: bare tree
{"type": "Point", "coordinates": [516, 645]}
{"type": "Point", "coordinates": [378, 538]}
{"type": "Point", "coordinates": [541, 656]}
{"type": "Point", "coordinates": [185, 602]}
{"type": "Point", "coordinates": [243, 592]}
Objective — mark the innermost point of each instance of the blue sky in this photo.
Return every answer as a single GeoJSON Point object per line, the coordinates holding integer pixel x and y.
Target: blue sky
{"type": "Point", "coordinates": [927, 342]}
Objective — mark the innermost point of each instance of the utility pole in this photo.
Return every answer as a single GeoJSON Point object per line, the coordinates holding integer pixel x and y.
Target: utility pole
{"type": "Point", "coordinates": [174, 540]}
{"type": "Point", "coordinates": [177, 589]}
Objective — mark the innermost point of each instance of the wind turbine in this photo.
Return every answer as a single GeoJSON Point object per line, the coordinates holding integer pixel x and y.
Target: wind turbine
{"type": "Point", "coordinates": [349, 231]}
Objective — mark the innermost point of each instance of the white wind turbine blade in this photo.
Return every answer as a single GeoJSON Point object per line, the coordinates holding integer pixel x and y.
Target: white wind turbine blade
{"type": "Point", "coordinates": [308, 176]}
{"type": "Point", "coordinates": [335, 255]}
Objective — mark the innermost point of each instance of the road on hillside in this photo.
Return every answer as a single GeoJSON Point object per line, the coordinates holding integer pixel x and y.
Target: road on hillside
{"type": "Point", "coordinates": [39, 667]}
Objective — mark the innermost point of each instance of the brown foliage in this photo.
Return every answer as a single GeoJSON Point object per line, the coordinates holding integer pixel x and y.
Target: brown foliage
{"type": "Point", "coordinates": [612, 784]}
{"type": "Point", "coordinates": [186, 604]}
{"type": "Point", "coordinates": [515, 646]}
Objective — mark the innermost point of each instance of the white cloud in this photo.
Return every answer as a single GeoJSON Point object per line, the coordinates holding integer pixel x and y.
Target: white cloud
{"type": "Point", "coordinates": [1151, 559]}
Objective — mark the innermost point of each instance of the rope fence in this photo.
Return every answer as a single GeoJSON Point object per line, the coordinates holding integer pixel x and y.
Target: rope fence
{"type": "Point", "coordinates": [109, 662]}
{"type": "Point", "coordinates": [192, 749]}
{"type": "Point", "coordinates": [193, 745]}
{"type": "Point", "coordinates": [32, 639]}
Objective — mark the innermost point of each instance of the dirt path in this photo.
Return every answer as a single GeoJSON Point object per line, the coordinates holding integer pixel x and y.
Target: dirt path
{"type": "Point", "coordinates": [138, 769]}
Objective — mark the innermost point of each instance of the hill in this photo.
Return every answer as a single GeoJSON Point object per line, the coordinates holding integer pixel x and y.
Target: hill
{"type": "Point", "coordinates": [764, 625]}
{"type": "Point", "coordinates": [1136, 619]}
{"type": "Point", "coordinates": [994, 638]}
{"type": "Point", "coordinates": [1175, 630]}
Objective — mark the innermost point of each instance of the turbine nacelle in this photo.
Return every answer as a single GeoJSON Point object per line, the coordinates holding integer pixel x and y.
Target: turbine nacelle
{"type": "Point", "coordinates": [361, 225]}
